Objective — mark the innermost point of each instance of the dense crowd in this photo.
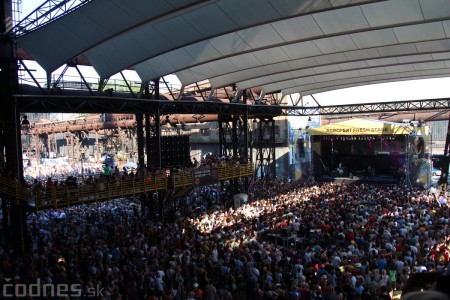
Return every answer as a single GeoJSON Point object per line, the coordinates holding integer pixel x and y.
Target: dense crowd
{"type": "Point", "coordinates": [355, 241]}
{"type": "Point", "coordinates": [49, 174]}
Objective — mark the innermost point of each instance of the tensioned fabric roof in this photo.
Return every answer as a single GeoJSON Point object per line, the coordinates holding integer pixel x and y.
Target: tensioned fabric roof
{"type": "Point", "coordinates": [291, 46]}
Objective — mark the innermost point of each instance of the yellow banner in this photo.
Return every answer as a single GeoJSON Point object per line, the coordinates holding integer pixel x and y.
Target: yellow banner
{"type": "Point", "coordinates": [363, 127]}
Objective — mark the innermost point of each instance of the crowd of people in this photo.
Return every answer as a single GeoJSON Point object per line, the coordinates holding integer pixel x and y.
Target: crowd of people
{"type": "Point", "coordinates": [55, 174]}
{"type": "Point", "coordinates": [351, 241]}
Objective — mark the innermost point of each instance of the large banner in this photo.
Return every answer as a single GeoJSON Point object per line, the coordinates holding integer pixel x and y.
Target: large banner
{"type": "Point", "coordinates": [423, 168]}
{"type": "Point", "coordinates": [363, 127]}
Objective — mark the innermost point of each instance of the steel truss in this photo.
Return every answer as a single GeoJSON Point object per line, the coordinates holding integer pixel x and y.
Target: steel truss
{"type": "Point", "coordinates": [103, 104]}
{"type": "Point", "coordinates": [231, 136]}
{"type": "Point", "coordinates": [233, 143]}
{"type": "Point", "coordinates": [46, 13]}
{"type": "Point", "coordinates": [264, 142]}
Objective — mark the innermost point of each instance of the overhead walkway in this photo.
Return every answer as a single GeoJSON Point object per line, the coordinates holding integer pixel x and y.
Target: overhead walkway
{"type": "Point", "coordinates": [66, 196]}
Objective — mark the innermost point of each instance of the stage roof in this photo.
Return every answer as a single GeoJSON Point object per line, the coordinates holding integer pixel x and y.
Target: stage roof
{"type": "Point", "coordinates": [363, 127]}
{"type": "Point", "coordinates": [291, 46]}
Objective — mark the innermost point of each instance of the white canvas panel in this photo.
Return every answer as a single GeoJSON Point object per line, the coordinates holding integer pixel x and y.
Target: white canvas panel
{"type": "Point", "coordinates": [302, 63]}
{"type": "Point", "coordinates": [298, 28]}
{"type": "Point", "coordinates": [392, 12]}
{"type": "Point", "coordinates": [202, 51]}
{"type": "Point", "coordinates": [375, 38]}
{"type": "Point", "coordinates": [398, 50]}
{"type": "Point", "coordinates": [382, 61]}
{"type": "Point", "coordinates": [353, 65]}
{"type": "Point", "coordinates": [362, 54]}
{"type": "Point", "coordinates": [414, 58]}
{"type": "Point", "coordinates": [341, 20]}
{"type": "Point", "coordinates": [289, 7]}
{"type": "Point", "coordinates": [429, 65]}
{"type": "Point", "coordinates": [229, 44]}
{"type": "Point", "coordinates": [301, 50]}
{"type": "Point", "coordinates": [372, 71]}
{"type": "Point", "coordinates": [347, 74]}
{"type": "Point", "coordinates": [179, 58]}
{"type": "Point", "coordinates": [327, 69]}
{"type": "Point", "coordinates": [399, 68]}
{"type": "Point", "coordinates": [433, 46]}
{"type": "Point", "coordinates": [420, 32]}
{"type": "Point", "coordinates": [324, 77]}
{"type": "Point", "coordinates": [245, 61]}
{"type": "Point", "coordinates": [260, 36]}
{"type": "Point", "coordinates": [223, 66]}
{"type": "Point", "coordinates": [275, 68]}
{"type": "Point", "coordinates": [302, 73]}
{"type": "Point", "coordinates": [177, 30]}
{"type": "Point", "coordinates": [245, 13]}
{"type": "Point", "coordinates": [330, 58]}
{"type": "Point", "coordinates": [271, 55]}
{"type": "Point", "coordinates": [446, 25]}
{"type": "Point", "coordinates": [151, 69]}
{"type": "Point", "coordinates": [443, 55]}
{"type": "Point", "coordinates": [210, 14]}
{"type": "Point", "coordinates": [435, 9]}
{"type": "Point", "coordinates": [335, 44]}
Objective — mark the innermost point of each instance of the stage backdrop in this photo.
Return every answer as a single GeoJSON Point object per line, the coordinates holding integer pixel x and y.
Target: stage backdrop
{"type": "Point", "coordinates": [382, 140]}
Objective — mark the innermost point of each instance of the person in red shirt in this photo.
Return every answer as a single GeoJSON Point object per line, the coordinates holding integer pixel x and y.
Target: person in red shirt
{"type": "Point", "coordinates": [350, 235]}
{"type": "Point", "coordinates": [326, 227]}
{"type": "Point", "coordinates": [398, 247]}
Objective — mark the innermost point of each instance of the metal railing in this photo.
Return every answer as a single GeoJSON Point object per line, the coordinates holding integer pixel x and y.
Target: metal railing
{"type": "Point", "coordinates": [65, 196]}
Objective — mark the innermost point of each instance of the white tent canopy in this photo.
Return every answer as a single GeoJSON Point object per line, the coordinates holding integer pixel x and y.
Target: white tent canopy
{"type": "Point", "coordinates": [291, 46]}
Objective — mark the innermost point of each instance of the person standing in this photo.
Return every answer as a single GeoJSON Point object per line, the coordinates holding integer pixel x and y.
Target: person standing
{"type": "Point", "coordinates": [210, 292]}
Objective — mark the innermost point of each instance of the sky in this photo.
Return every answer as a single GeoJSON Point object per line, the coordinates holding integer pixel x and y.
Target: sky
{"type": "Point", "coordinates": [384, 92]}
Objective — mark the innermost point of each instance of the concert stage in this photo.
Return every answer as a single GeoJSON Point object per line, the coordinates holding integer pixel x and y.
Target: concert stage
{"type": "Point", "coordinates": [380, 179]}
{"type": "Point", "coordinates": [370, 151]}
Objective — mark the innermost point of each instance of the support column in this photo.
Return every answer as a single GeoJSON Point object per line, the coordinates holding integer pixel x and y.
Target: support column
{"type": "Point", "coordinates": [49, 146]}
{"type": "Point", "coordinates": [245, 146]}
{"type": "Point", "coordinates": [158, 145]}
{"type": "Point", "coordinates": [245, 129]}
{"type": "Point", "coordinates": [158, 138]}
{"type": "Point", "coordinates": [235, 145]}
{"type": "Point", "coordinates": [148, 144]}
{"type": "Point", "coordinates": [140, 139]}
{"type": "Point", "coordinates": [221, 137]}
{"type": "Point", "coordinates": [265, 143]}
{"type": "Point", "coordinates": [234, 135]}
{"type": "Point", "coordinates": [10, 135]}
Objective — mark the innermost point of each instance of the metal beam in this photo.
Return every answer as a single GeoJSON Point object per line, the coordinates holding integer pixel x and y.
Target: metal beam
{"type": "Point", "coordinates": [102, 104]}
{"type": "Point", "coordinates": [46, 13]}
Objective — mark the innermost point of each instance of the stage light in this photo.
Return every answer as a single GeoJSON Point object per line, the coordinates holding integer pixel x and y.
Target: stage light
{"type": "Point", "coordinates": [309, 119]}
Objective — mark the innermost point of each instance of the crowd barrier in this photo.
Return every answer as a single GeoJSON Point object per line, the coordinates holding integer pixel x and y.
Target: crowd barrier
{"type": "Point", "coordinates": [64, 196]}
